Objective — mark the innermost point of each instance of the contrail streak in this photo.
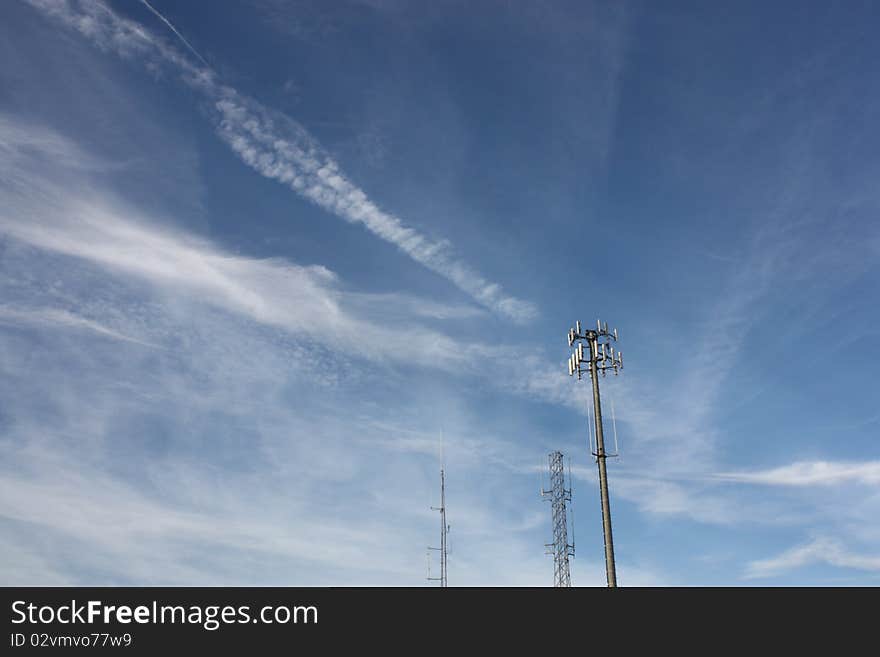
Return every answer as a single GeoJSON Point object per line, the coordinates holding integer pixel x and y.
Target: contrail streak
{"type": "Point", "coordinates": [278, 147]}
{"type": "Point", "coordinates": [174, 29]}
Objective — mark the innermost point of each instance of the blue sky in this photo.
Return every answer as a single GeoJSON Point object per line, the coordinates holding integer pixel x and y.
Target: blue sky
{"type": "Point", "coordinates": [256, 258]}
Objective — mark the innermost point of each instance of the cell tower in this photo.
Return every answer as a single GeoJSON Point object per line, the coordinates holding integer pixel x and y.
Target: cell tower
{"type": "Point", "coordinates": [558, 494]}
{"type": "Point", "coordinates": [444, 530]}
{"type": "Point", "coordinates": [598, 357]}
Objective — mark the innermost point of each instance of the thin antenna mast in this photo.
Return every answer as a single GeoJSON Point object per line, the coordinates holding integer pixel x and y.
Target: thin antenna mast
{"type": "Point", "coordinates": [444, 530]}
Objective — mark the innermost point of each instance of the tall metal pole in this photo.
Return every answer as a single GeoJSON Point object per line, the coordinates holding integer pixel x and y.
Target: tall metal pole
{"type": "Point", "coordinates": [601, 457]}
{"type": "Point", "coordinates": [444, 529]}
{"type": "Point", "coordinates": [600, 358]}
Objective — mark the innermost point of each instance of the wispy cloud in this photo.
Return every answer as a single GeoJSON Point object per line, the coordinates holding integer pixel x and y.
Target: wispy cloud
{"type": "Point", "coordinates": [811, 473]}
{"type": "Point", "coordinates": [25, 145]}
{"type": "Point", "coordinates": [279, 148]}
{"type": "Point", "coordinates": [301, 300]}
{"type": "Point", "coordinates": [820, 550]}
{"type": "Point", "coordinates": [61, 318]}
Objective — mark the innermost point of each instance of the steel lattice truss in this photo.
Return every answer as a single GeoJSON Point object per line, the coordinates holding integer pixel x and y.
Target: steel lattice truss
{"type": "Point", "coordinates": [560, 548]}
